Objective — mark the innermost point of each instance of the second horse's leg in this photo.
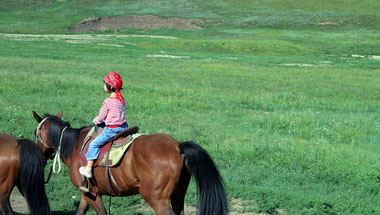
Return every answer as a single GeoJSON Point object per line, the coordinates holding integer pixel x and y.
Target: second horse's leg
{"type": "Point", "coordinates": [5, 206]}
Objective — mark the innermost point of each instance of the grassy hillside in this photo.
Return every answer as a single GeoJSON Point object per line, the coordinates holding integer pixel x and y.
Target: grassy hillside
{"type": "Point", "coordinates": [56, 16]}
{"type": "Point", "coordinates": [284, 95]}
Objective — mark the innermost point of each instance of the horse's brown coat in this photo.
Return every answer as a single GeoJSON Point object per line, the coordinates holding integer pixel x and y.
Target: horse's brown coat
{"type": "Point", "coordinates": [152, 167]}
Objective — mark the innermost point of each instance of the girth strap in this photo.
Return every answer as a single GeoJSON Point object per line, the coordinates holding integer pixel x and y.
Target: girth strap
{"type": "Point", "coordinates": [110, 176]}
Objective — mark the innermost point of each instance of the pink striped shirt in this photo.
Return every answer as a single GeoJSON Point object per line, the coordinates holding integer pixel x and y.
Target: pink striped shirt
{"type": "Point", "coordinates": [111, 112]}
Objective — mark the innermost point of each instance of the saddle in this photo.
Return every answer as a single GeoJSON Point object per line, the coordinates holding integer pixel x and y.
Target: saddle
{"type": "Point", "coordinates": [109, 156]}
{"type": "Point", "coordinates": [119, 141]}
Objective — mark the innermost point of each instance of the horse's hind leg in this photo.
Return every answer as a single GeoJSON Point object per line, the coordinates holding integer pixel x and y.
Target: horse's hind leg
{"type": "Point", "coordinates": [5, 205]}
{"type": "Point", "coordinates": [160, 206]}
{"type": "Point", "coordinates": [178, 196]}
{"type": "Point", "coordinates": [178, 203]}
{"type": "Point", "coordinates": [156, 198]}
{"type": "Point", "coordinates": [5, 193]}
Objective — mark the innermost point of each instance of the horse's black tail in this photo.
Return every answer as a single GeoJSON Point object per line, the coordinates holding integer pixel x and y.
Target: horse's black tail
{"type": "Point", "coordinates": [212, 196]}
{"type": "Point", "coordinates": [31, 177]}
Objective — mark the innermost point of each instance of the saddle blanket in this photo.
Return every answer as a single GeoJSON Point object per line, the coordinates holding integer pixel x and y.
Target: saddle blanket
{"type": "Point", "coordinates": [116, 153]}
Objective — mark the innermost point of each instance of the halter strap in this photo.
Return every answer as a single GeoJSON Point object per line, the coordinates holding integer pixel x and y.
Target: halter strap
{"type": "Point", "coordinates": [38, 133]}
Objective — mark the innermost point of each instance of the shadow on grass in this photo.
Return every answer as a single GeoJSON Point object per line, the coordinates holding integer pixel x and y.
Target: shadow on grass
{"type": "Point", "coordinates": [63, 212]}
{"type": "Point", "coordinates": [52, 213]}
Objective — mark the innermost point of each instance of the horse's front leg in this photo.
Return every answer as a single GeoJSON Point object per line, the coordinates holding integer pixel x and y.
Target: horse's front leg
{"type": "Point", "coordinates": [96, 203]}
{"type": "Point", "coordinates": [83, 206]}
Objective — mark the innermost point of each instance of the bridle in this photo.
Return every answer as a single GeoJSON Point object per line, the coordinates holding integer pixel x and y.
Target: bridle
{"type": "Point", "coordinates": [38, 134]}
{"type": "Point", "coordinates": [57, 153]}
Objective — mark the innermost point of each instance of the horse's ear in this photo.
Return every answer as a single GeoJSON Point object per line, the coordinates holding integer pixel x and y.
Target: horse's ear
{"type": "Point", "coordinates": [59, 115]}
{"type": "Point", "coordinates": [37, 117]}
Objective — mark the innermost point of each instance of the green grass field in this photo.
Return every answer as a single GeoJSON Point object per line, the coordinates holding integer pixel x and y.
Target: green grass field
{"type": "Point", "coordinates": [284, 95]}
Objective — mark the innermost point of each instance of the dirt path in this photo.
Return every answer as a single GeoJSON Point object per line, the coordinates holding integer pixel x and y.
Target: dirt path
{"type": "Point", "coordinates": [88, 37]}
{"type": "Point", "coordinates": [135, 21]}
{"type": "Point", "coordinates": [19, 205]}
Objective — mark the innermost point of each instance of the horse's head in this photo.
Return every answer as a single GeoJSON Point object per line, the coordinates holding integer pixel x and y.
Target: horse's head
{"type": "Point", "coordinates": [42, 135]}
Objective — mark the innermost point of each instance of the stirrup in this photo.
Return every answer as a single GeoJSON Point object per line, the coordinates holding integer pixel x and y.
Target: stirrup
{"type": "Point", "coordinates": [84, 189]}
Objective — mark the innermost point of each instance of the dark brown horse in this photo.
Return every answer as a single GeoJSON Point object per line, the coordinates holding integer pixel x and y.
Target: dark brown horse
{"type": "Point", "coordinates": [22, 165]}
{"type": "Point", "coordinates": [156, 166]}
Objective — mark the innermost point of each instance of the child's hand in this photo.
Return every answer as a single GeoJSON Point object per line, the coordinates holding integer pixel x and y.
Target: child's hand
{"type": "Point", "coordinates": [101, 125]}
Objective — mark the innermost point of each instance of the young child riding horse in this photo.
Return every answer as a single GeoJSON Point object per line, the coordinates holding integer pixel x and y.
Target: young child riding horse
{"type": "Point", "coordinates": [112, 114]}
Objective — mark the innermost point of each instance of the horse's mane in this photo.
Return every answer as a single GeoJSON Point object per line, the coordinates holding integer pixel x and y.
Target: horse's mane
{"type": "Point", "coordinates": [69, 137]}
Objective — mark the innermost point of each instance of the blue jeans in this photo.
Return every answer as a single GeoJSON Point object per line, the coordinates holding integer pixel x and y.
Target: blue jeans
{"type": "Point", "coordinates": [99, 141]}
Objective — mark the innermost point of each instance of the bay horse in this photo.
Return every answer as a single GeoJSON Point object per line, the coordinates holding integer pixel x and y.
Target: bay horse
{"type": "Point", "coordinates": [22, 165]}
{"type": "Point", "coordinates": [156, 166]}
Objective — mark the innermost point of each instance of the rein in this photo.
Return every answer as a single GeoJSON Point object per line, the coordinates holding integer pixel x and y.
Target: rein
{"type": "Point", "coordinates": [49, 175]}
{"type": "Point", "coordinates": [58, 152]}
